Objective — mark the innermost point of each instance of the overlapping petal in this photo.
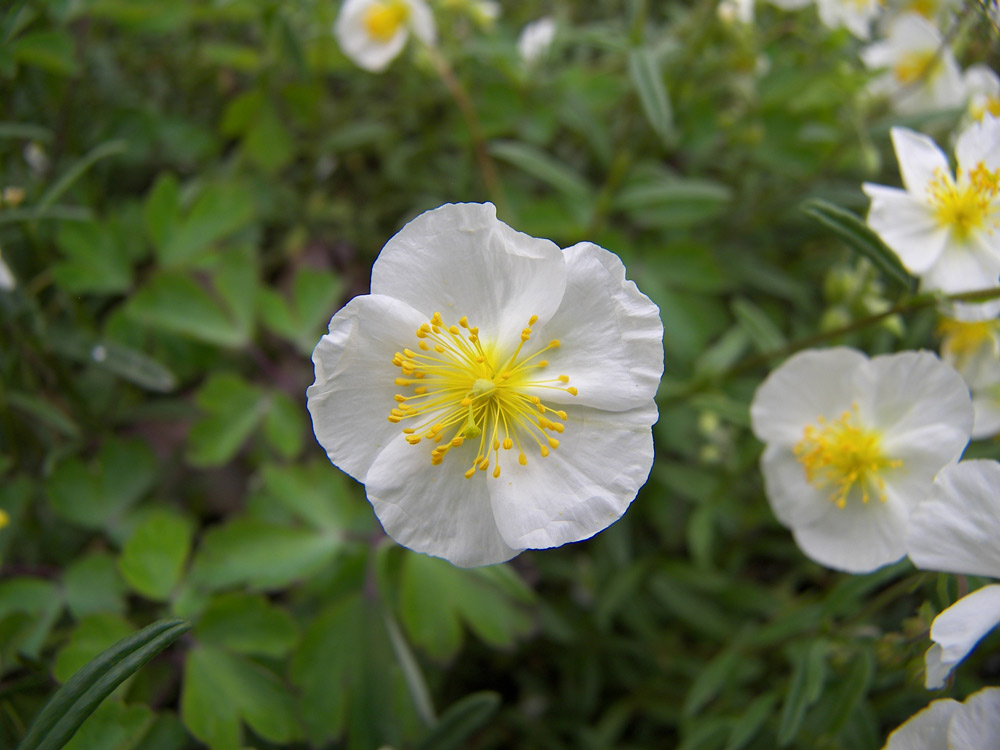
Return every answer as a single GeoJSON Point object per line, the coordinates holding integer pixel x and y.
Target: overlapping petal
{"type": "Point", "coordinates": [907, 226]}
{"type": "Point", "coordinates": [925, 730]}
{"type": "Point", "coordinates": [976, 726]}
{"type": "Point", "coordinates": [958, 629]}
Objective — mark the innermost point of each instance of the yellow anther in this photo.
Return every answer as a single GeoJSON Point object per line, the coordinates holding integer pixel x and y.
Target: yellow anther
{"type": "Point", "coordinates": [400, 398]}
{"type": "Point", "coordinates": [572, 391]}
{"type": "Point", "coordinates": [544, 449]}
{"type": "Point", "coordinates": [522, 459]}
{"type": "Point", "coordinates": [496, 444]}
{"type": "Point", "coordinates": [408, 430]}
{"type": "Point", "coordinates": [413, 439]}
{"type": "Point", "coordinates": [532, 320]}
{"type": "Point", "coordinates": [535, 400]}
{"type": "Point", "coordinates": [564, 378]}
{"type": "Point", "coordinates": [484, 464]}
{"type": "Point", "coordinates": [453, 330]}
{"type": "Point", "coordinates": [561, 413]}
{"type": "Point", "coordinates": [553, 443]}
{"type": "Point", "coordinates": [420, 390]}
{"type": "Point", "coordinates": [557, 426]}
{"type": "Point", "coordinates": [463, 321]}
{"type": "Point", "coordinates": [470, 472]}
{"type": "Point", "coordinates": [424, 346]}
{"type": "Point", "coordinates": [409, 353]}
{"type": "Point", "coordinates": [457, 441]}
{"type": "Point", "coordinates": [496, 471]}
{"type": "Point", "coordinates": [555, 343]}
{"type": "Point", "coordinates": [505, 376]}
{"type": "Point", "coordinates": [543, 363]}
{"type": "Point", "coordinates": [465, 401]}
{"type": "Point", "coordinates": [393, 418]}
{"type": "Point", "coordinates": [525, 334]}
{"type": "Point", "coordinates": [402, 381]}
{"type": "Point", "coordinates": [508, 444]}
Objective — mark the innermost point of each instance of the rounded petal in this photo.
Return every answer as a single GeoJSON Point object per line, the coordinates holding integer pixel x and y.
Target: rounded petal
{"type": "Point", "coordinates": [459, 259]}
{"type": "Point", "coordinates": [925, 730]}
{"type": "Point", "coordinates": [980, 142]}
{"type": "Point", "coordinates": [611, 334]}
{"type": "Point", "coordinates": [353, 393]}
{"type": "Point", "coordinates": [935, 671]}
{"type": "Point", "coordinates": [907, 225]}
{"type": "Point", "coordinates": [808, 385]}
{"type": "Point", "coordinates": [364, 50]}
{"type": "Point", "coordinates": [923, 408]}
{"type": "Point", "coordinates": [422, 21]}
{"type": "Point", "coordinates": [858, 538]}
{"type": "Point", "coordinates": [975, 725]}
{"type": "Point", "coordinates": [956, 529]}
{"type": "Point", "coordinates": [987, 409]}
{"type": "Point", "coordinates": [918, 157]}
{"type": "Point", "coordinates": [435, 509]}
{"type": "Point", "coordinates": [966, 266]}
{"type": "Point", "coordinates": [793, 499]}
{"type": "Point", "coordinates": [580, 488]}
{"type": "Point", "coordinates": [959, 628]}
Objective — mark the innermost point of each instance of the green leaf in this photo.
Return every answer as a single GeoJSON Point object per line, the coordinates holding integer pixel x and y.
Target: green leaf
{"type": "Point", "coordinates": [95, 262]}
{"type": "Point", "coordinates": [133, 366]}
{"type": "Point", "coordinates": [247, 624]}
{"type": "Point", "coordinates": [97, 497]}
{"type": "Point", "coordinates": [234, 408]}
{"type": "Point", "coordinates": [436, 598]}
{"type": "Point", "coordinates": [751, 722]}
{"type": "Point", "coordinates": [462, 720]}
{"type": "Point", "coordinates": [43, 411]}
{"type": "Point", "coordinates": [161, 211]}
{"type": "Point", "coordinates": [219, 211]}
{"type": "Point", "coordinates": [49, 49]}
{"type": "Point", "coordinates": [540, 165]}
{"type": "Point", "coordinates": [221, 690]}
{"type": "Point", "coordinates": [711, 680]}
{"type": "Point", "coordinates": [318, 495]}
{"type": "Point", "coordinates": [761, 330]}
{"type": "Point", "coordinates": [231, 555]}
{"type": "Point", "coordinates": [77, 699]}
{"type": "Point", "coordinates": [647, 78]}
{"type": "Point", "coordinates": [669, 202]}
{"type": "Point", "coordinates": [285, 425]}
{"type": "Point", "coordinates": [76, 171]}
{"type": "Point", "coordinates": [93, 584]}
{"type": "Point", "coordinates": [804, 687]}
{"type": "Point", "coordinates": [267, 143]}
{"type": "Point", "coordinates": [851, 690]}
{"type": "Point", "coordinates": [174, 302]}
{"type": "Point", "coordinates": [153, 558]}
{"type": "Point", "coordinates": [92, 635]}
{"type": "Point", "coordinates": [41, 601]}
{"type": "Point", "coordinates": [857, 234]}
{"type": "Point", "coordinates": [114, 726]}
{"type": "Point", "coordinates": [303, 319]}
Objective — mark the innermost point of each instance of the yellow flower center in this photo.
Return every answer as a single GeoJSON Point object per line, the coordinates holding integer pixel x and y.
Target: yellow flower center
{"type": "Point", "coordinates": [913, 66]}
{"type": "Point", "coordinates": [961, 340]}
{"type": "Point", "coordinates": [966, 205]}
{"type": "Point", "coordinates": [383, 19]}
{"type": "Point", "coordinates": [843, 454]}
{"type": "Point", "coordinates": [989, 104]}
{"type": "Point", "coordinates": [466, 390]}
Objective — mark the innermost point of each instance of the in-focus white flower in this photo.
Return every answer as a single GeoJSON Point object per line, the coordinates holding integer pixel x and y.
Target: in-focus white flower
{"type": "Point", "coordinates": [955, 531]}
{"type": "Point", "coordinates": [944, 228]}
{"type": "Point", "coordinates": [982, 86]}
{"type": "Point", "coordinates": [535, 40]}
{"type": "Point", "coordinates": [373, 32]}
{"type": "Point", "coordinates": [494, 393]}
{"type": "Point", "coordinates": [973, 348]}
{"type": "Point", "coordinates": [921, 74]}
{"type": "Point", "coordinates": [856, 15]}
{"type": "Point", "coordinates": [949, 725]}
{"type": "Point", "coordinates": [852, 445]}
{"type": "Point", "coordinates": [7, 280]}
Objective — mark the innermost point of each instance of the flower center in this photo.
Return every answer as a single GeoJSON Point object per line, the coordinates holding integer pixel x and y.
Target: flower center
{"type": "Point", "coordinates": [466, 390]}
{"type": "Point", "coordinates": [966, 205]}
{"type": "Point", "coordinates": [383, 19]}
{"type": "Point", "coordinates": [842, 454]}
{"type": "Point", "coordinates": [961, 340]}
{"type": "Point", "coordinates": [912, 66]}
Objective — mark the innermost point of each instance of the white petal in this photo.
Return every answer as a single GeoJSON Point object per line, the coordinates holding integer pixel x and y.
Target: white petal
{"type": "Point", "coordinates": [611, 335]}
{"type": "Point", "coordinates": [354, 388]}
{"type": "Point", "coordinates": [794, 500]}
{"type": "Point", "coordinates": [925, 730]}
{"type": "Point", "coordinates": [980, 142]}
{"type": "Point", "coordinates": [435, 509]}
{"type": "Point", "coordinates": [857, 538]}
{"type": "Point", "coordinates": [421, 20]}
{"type": "Point", "coordinates": [959, 628]}
{"type": "Point", "coordinates": [976, 725]}
{"type": "Point", "coordinates": [987, 408]}
{"type": "Point", "coordinates": [935, 671]}
{"type": "Point", "coordinates": [364, 50]}
{"type": "Point", "coordinates": [981, 79]}
{"type": "Point", "coordinates": [907, 225]}
{"type": "Point", "coordinates": [808, 385]}
{"type": "Point", "coordinates": [580, 488]}
{"type": "Point", "coordinates": [918, 156]}
{"type": "Point", "coordinates": [923, 408]}
{"type": "Point", "coordinates": [459, 259]}
{"type": "Point", "coordinates": [965, 267]}
{"type": "Point", "coordinates": [956, 529]}
{"type": "Point", "coordinates": [878, 55]}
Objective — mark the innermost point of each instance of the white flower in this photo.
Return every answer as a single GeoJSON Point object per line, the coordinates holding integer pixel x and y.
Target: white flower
{"type": "Point", "coordinates": [856, 15]}
{"type": "Point", "coordinates": [852, 445]}
{"type": "Point", "coordinates": [982, 85]}
{"type": "Point", "coordinates": [949, 725]}
{"type": "Point", "coordinates": [973, 348]}
{"type": "Point", "coordinates": [373, 32]}
{"type": "Point", "coordinates": [921, 72]}
{"type": "Point", "coordinates": [7, 280]}
{"type": "Point", "coordinates": [536, 39]}
{"type": "Point", "coordinates": [494, 393]}
{"type": "Point", "coordinates": [955, 531]}
{"type": "Point", "coordinates": [729, 11]}
{"type": "Point", "coordinates": [944, 228]}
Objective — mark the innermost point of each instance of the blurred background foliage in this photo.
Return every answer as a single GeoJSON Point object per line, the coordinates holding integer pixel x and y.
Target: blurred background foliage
{"type": "Point", "coordinates": [206, 181]}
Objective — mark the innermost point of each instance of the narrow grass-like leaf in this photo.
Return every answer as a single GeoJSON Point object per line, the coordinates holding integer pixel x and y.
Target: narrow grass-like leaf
{"type": "Point", "coordinates": [460, 721]}
{"type": "Point", "coordinates": [60, 213]}
{"type": "Point", "coordinates": [100, 151]}
{"type": "Point", "coordinates": [750, 723]}
{"type": "Point", "coordinates": [764, 334]}
{"type": "Point", "coordinates": [539, 164]}
{"type": "Point", "coordinates": [860, 237]}
{"type": "Point", "coordinates": [25, 130]}
{"type": "Point", "coordinates": [77, 699]}
{"type": "Point", "coordinates": [648, 81]}
{"type": "Point", "coordinates": [804, 688]}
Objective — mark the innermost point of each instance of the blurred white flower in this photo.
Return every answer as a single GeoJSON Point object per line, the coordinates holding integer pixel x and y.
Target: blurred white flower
{"type": "Point", "coordinates": [944, 227]}
{"type": "Point", "coordinates": [921, 72]}
{"type": "Point", "coordinates": [856, 15]}
{"type": "Point", "coordinates": [730, 11]}
{"type": "Point", "coordinates": [982, 85]}
{"type": "Point", "coordinates": [536, 39]}
{"type": "Point", "coordinates": [852, 445]}
{"type": "Point", "coordinates": [521, 416]}
{"type": "Point", "coordinates": [949, 725]}
{"type": "Point", "coordinates": [373, 32]}
{"type": "Point", "coordinates": [7, 280]}
{"type": "Point", "coordinates": [955, 531]}
{"type": "Point", "coordinates": [973, 348]}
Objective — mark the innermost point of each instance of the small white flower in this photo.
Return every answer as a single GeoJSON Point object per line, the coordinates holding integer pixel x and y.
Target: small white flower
{"type": "Point", "coordinates": [944, 228]}
{"type": "Point", "coordinates": [373, 32]}
{"type": "Point", "coordinates": [982, 85]}
{"type": "Point", "coordinates": [7, 280]}
{"type": "Point", "coordinates": [856, 15]}
{"type": "Point", "coordinates": [955, 531]}
{"type": "Point", "coordinates": [852, 445]}
{"type": "Point", "coordinates": [535, 40]}
{"type": "Point", "coordinates": [921, 72]}
{"type": "Point", "coordinates": [494, 393]}
{"type": "Point", "coordinates": [949, 725]}
{"type": "Point", "coordinates": [730, 11]}
{"type": "Point", "coordinates": [973, 348]}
